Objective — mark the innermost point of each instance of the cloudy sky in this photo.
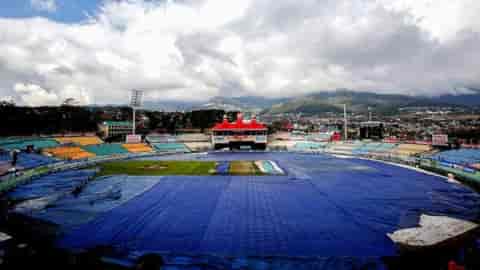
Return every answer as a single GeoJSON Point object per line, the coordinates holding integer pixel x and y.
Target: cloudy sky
{"type": "Point", "coordinates": [96, 51]}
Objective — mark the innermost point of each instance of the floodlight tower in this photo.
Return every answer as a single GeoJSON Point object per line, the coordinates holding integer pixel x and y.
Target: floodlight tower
{"type": "Point", "coordinates": [135, 102]}
{"type": "Point", "coordinates": [345, 125]}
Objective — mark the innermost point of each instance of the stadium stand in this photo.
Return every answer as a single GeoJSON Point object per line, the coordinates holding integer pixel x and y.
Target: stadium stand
{"type": "Point", "coordinates": [382, 150]}
{"type": "Point", "coordinates": [32, 160]}
{"type": "Point", "coordinates": [170, 147]}
{"type": "Point", "coordinates": [193, 137]}
{"type": "Point", "coordinates": [198, 146]}
{"type": "Point", "coordinates": [281, 144]}
{"type": "Point", "coordinates": [137, 148]}
{"type": "Point", "coordinates": [7, 140]}
{"type": "Point", "coordinates": [460, 156]}
{"type": "Point", "coordinates": [54, 184]}
{"type": "Point", "coordinates": [26, 160]}
{"type": "Point", "coordinates": [106, 149]}
{"type": "Point", "coordinates": [79, 140]}
{"type": "Point", "coordinates": [309, 146]}
{"type": "Point", "coordinates": [69, 152]}
{"type": "Point", "coordinates": [366, 148]}
{"type": "Point", "coordinates": [23, 143]}
{"type": "Point", "coordinates": [160, 138]}
{"type": "Point", "coordinates": [170, 143]}
{"type": "Point", "coordinates": [319, 137]}
{"type": "Point", "coordinates": [343, 148]}
{"type": "Point", "coordinates": [410, 149]}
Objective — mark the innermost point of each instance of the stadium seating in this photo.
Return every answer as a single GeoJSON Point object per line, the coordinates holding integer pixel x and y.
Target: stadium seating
{"type": "Point", "coordinates": [80, 140]}
{"type": "Point", "coordinates": [137, 148]}
{"type": "Point", "coordinates": [410, 149]}
{"type": "Point", "coordinates": [21, 144]}
{"type": "Point", "coordinates": [374, 149]}
{"type": "Point", "coordinates": [318, 137]}
{"type": "Point", "coordinates": [383, 149]}
{"type": "Point", "coordinates": [343, 148]}
{"type": "Point", "coordinates": [460, 156]}
{"type": "Point", "coordinates": [69, 152]}
{"type": "Point", "coordinates": [366, 148]}
{"type": "Point", "coordinates": [193, 137]}
{"type": "Point", "coordinates": [27, 160]}
{"type": "Point", "coordinates": [7, 140]}
{"type": "Point", "coordinates": [170, 147]}
{"type": "Point", "coordinates": [309, 146]}
{"type": "Point", "coordinates": [161, 138]}
{"type": "Point", "coordinates": [54, 184]}
{"type": "Point", "coordinates": [166, 138]}
{"type": "Point", "coordinates": [106, 149]}
{"type": "Point", "coordinates": [32, 160]}
{"type": "Point", "coordinates": [199, 146]}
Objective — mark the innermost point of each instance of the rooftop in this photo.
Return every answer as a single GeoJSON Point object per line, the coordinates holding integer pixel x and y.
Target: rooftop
{"type": "Point", "coordinates": [240, 124]}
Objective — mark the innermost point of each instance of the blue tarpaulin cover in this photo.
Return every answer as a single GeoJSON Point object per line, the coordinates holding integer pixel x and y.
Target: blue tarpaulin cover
{"type": "Point", "coordinates": [222, 167]}
{"type": "Point", "coordinates": [27, 160]}
{"type": "Point", "coordinates": [59, 183]}
{"type": "Point", "coordinates": [100, 195]}
{"type": "Point", "coordinates": [337, 211]}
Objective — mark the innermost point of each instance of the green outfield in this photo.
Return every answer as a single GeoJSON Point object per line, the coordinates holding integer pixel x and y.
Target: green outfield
{"type": "Point", "coordinates": [151, 167]}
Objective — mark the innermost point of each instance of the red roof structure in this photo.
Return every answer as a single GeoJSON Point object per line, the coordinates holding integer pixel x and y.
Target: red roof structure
{"type": "Point", "coordinates": [336, 137]}
{"type": "Point", "coordinates": [288, 126]}
{"type": "Point", "coordinates": [240, 124]}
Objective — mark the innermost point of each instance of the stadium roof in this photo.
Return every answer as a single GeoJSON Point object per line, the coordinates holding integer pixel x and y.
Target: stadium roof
{"type": "Point", "coordinates": [117, 123]}
{"type": "Point", "coordinates": [240, 124]}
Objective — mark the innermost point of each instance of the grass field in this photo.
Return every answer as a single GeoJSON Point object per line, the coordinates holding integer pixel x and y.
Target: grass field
{"type": "Point", "coordinates": [240, 167]}
{"type": "Point", "coordinates": [151, 167]}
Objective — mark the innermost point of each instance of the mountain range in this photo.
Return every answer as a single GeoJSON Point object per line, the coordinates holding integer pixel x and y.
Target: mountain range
{"type": "Point", "coordinates": [322, 102]}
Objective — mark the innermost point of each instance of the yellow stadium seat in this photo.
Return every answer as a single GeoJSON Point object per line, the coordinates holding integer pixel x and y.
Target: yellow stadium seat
{"type": "Point", "coordinates": [411, 149]}
{"type": "Point", "coordinates": [137, 148]}
{"type": "Point", "coordinates": [83, 140]}
{"type": "Point", "coordinates": [69, 152]}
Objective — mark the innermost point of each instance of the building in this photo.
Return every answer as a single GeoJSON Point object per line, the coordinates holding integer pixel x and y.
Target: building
{"type": "Point", "coordinates": [371, 130]}
{"type": "Point", "coordinates": [115, 128]}
{"type": "Point", "coordinates": [239, 134]}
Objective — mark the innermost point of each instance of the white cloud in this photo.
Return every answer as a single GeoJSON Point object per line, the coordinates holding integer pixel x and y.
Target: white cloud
{"type": "Point", "coordinates": [443, 19]}
{"type": "Point", "coordinates": [44, 5]}
{"type": "Point", "coordinates": [8, 99]}
{"type": "Point", "coordinates": [34, 95]}
{"type": "Point", "coordinates": [199, 49]}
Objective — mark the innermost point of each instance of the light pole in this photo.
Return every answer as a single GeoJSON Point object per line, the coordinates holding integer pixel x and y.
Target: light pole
{"type": "Point", "coordinates": [345, 125]}
{"type": "Point", "coordinates": [135, 102]}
